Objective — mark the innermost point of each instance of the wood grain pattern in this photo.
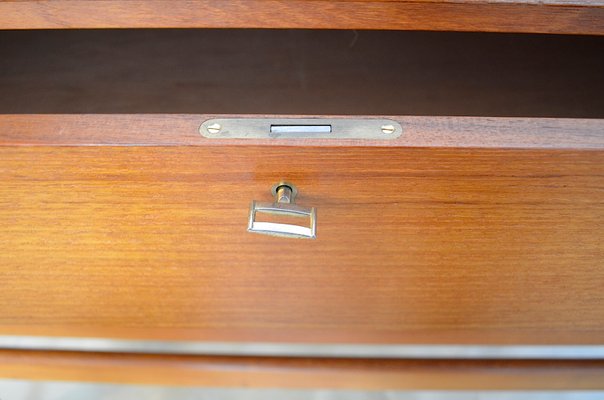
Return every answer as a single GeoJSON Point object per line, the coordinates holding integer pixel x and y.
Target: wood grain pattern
{"type": "Point", "coordinates": [359, 374]}
{"type": "Point", "coordinates": [174, 130]}
{"type": "Point", "coordinates": [414, 245]}
{"type": "Point", "coordinates": [570, 17]}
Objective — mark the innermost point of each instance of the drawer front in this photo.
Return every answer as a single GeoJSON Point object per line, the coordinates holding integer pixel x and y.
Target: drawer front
{"type": "Point", "coordinates": [414, 245]}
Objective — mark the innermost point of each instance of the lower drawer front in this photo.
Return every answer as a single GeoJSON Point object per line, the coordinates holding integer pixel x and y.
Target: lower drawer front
{"type": "Point", "coordinates": [413, 245]}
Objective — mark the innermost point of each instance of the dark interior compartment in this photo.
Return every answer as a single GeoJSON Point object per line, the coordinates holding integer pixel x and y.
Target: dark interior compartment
{"type": "Point", "coordinates": [301, 72]}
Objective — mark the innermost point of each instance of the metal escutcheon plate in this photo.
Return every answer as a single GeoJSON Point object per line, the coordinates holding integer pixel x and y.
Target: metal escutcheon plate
{"type": "Point", "coordinates": [301, 128]}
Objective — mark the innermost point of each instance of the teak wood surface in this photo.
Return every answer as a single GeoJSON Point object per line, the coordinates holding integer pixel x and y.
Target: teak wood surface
{"type": "Point", "coordinates": [463, 230]}
{"type": "Point", "coordinates": [551, 16]}
{"type": "Point", "coordinates": [415, 245]}
{"type": "Point", "coordinates": [304, 373]}
{"type": "Point", "coordinates": [184, 130]}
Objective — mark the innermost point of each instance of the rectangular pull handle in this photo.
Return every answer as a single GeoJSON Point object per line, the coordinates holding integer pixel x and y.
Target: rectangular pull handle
{"type": "Point", "coordinates": [285, 194]}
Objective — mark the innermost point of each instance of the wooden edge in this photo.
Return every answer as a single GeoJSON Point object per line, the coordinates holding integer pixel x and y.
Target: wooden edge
{"type": "Point", "coordinates": [368, 374]}
{"type": "Point", "coordinates": [183, 129]}
{"type": "Point", "coordinates": [559, 16]}
{"type": "Point", "coordinates": [305, 335]}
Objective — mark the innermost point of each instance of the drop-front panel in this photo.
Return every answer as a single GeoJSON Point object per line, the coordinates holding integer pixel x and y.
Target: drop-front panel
{"type": "Point", "coordinates": [414, 245]}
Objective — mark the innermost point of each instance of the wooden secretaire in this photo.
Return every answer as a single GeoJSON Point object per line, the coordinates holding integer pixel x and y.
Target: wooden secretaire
{"type": "Point", "coordinates": [399, 195]}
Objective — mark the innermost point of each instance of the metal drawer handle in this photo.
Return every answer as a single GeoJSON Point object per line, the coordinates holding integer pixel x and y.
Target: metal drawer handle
{"type": "Point", "coordinates": [285, 194]}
